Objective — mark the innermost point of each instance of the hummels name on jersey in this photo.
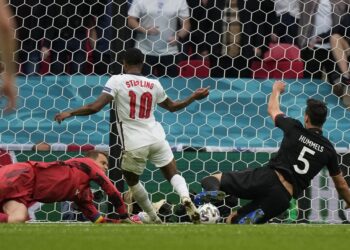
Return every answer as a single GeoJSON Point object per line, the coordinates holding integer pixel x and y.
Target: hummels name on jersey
{"type": "Point", "coordinates": [310, 143]}
{"type": "Point", "coordinates": [135, 83]}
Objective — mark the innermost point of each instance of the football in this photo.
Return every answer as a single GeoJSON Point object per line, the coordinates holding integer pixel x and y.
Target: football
{"type": "Point", "coordinates": [209, 214]}
{"type": "Point", "coordinates": [144, 217]}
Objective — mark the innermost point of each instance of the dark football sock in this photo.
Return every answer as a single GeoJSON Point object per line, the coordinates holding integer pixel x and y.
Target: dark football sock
{"type": "Point", "coordinates": [210, 183]}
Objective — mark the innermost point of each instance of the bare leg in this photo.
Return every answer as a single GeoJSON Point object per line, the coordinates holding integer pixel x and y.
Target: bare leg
{"type": "Point", "coordinates": [341, 50]}
{"type": "Point", "coordinates": [231, 218]}
{"type": "Point", "coordinates": [140, 195]}
{"type": "Point", "coordinates": [17, 212]}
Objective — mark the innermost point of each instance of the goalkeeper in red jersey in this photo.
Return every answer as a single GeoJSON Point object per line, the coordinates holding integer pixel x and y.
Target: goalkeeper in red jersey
{"type": "Point", "coordinates": [22, 184]}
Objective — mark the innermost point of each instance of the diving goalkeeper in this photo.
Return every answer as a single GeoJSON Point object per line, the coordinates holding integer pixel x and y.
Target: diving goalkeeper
{"type": "Point", "coordinates": [22, 184]}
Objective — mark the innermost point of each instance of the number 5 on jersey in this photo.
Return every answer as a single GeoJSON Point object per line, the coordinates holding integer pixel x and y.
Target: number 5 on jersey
{"type": "Point", "coordinates": [302, 158]}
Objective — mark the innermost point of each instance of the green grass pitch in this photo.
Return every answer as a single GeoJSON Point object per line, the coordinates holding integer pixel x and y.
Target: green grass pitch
{"type": "Point", "coordinates": [173, 236]}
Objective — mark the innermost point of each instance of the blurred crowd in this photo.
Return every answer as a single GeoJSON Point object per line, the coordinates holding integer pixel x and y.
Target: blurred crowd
{"type": "Point", "coordinates": [69, 37]}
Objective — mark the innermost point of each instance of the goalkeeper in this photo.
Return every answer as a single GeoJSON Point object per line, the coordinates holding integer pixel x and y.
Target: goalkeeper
{"type": "Point", "coordinates": [304, 151]}
{"type": "Point", "coordinates": [22, 184]}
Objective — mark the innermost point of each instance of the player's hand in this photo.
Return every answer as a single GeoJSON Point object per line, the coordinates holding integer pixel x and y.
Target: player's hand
{"type": "Point", "coordinates": [279, 86]}
{"type": "Point", "coordinates": [62, 116]}
{"type": "Point", "coordinates": [108, 220]}
{"type": "Point", "coordinates": [45, 53]}
{"type": "Point", "coordinates": [347, 206]}
{"type": "Point", "coordinates": [201, 93]}
{"type": "Point", "coordinates": [9, 90]}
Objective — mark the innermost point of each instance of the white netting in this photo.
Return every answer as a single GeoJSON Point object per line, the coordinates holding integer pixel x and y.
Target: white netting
{"type": "Point", "coordinates": [67, 49]}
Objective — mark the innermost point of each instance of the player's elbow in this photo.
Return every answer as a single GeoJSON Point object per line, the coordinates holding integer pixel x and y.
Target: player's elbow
{"type": "Point", "coordinates": [273, 111]}
{"type": "Point", "coordinates": [270, 111]}
{"type": "Point", "coordinates": [172, 109]}
{"type": "Point", "coordinates": [92, 108]}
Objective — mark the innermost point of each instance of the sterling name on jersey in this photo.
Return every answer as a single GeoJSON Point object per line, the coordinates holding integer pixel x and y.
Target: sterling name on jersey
{"type": "Point", "coordinates": [302, 154]}
{"type": "Point", "coordinates": [135, 99]}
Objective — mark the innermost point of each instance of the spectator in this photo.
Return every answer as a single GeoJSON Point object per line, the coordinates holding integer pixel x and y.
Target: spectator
{"type": "Point", "coordinates": [286, 27]}
{"type": "Point", "coordinates": [66, 35]}
{"type": "Point", "coordinates": [256, 18]}
{"type": "Point", "coordinates": [157, 33]}
{"type": "Point", "coordinates": [29, 33]}
{"type": "Point", "coordinates": [93, 24]}
{"type": "Point", "coordinates": [341, 51]}
{"type": "Point", "coordinates": [102, 56]}
{"type": "Point", "coordinates": [316, 20]}
{"type": "Point", "coordinates": [206, 28]}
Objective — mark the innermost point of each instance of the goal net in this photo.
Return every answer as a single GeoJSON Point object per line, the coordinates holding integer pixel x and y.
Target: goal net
{"type": "Point", "coordinates": [68, 49]}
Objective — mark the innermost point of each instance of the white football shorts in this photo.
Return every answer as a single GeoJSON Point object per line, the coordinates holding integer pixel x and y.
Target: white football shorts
{"type": "Point", "coordinates": [159, 154]}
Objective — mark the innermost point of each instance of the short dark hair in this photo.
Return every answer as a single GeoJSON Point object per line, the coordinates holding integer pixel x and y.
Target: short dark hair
{"type": "Point", "coordinates": [93, 154]}
{"type": "Point", "coordinates": [317, 111]}
{"type": "Point", "coordinates": [133, 56]}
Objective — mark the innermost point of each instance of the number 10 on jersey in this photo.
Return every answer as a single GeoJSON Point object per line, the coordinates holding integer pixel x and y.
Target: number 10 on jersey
{"type": "Point", "coordinates": [144, 111]}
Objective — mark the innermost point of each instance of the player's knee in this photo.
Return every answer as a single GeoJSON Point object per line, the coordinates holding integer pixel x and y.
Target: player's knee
{"type": "Point", "coordinates": [18, 217]}
{"type": "Point", "coordinates": [169, 171]}
{"type": "Point", "coordinates": [16, 211]}
{"type": "Point", "coordinates": [232, 218]}
{"type": "Point", "coordinates": [130, 178]}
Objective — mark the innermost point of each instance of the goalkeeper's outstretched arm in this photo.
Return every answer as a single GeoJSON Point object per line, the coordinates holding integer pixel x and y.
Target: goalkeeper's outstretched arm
{"type": "Point", "coordinates": [112, 192]}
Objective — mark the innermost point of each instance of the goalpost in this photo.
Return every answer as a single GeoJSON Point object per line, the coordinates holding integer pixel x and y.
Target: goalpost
{"type": "Point", "coordinates": [230, 130]}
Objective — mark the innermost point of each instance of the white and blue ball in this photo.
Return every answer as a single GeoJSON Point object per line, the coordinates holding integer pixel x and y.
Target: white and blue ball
{"type": "Point", "coordinates": [209, 214]}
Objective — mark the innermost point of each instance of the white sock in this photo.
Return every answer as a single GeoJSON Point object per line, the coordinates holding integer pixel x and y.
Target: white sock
{"type": "Point", "coordinates": [180, 185]}
{"type": "Point", "coordinates": [140, 195]}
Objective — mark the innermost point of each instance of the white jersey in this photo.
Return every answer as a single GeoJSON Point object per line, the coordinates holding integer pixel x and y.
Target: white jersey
{"type": "Point", "coordinates": [162, 14]}
{"type": "Point", "coordinates": [135, 98]}
{"type": "Point", "coordinates": [323, 21]}
{"type": "Point", "coordinates": [287, 6]}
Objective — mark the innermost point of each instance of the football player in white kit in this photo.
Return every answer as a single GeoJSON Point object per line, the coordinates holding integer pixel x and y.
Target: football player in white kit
{"type": "Point", "coordinates": [143, 138]}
